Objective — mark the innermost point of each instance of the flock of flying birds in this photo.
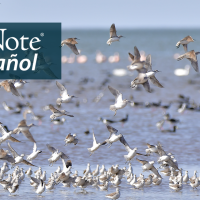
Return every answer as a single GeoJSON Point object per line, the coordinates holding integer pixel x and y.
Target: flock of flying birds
{"type": "Point", "coordinates": [100, 178]}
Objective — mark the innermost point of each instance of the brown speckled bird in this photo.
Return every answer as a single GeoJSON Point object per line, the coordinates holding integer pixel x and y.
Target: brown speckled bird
{"type": "Point", "coordinates": [9, 87]}
{"type": "Point", "coordinates": [184, 42]}
{"type": "Point", "coordinates": [192, 57]}
{"type": "Point", "coordinates": [70, 42]}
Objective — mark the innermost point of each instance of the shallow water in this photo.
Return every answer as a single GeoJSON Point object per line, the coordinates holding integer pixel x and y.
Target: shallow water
{"type": "Point", "coordinates": [139, 129]}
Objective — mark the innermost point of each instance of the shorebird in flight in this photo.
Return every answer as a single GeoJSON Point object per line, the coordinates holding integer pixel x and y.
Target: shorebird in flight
{"type": "Point", "coordinates": [131, 152]}
{"type": "Point", "coordinates": [9, 87]}
{"type": "Point", "coordinates": [143, 77]}
{"type": "Point", "coordinates": [65, 97]}
{"type": "Point", "coordinates": [136, 63]}
{"type": "Point", "coordinates": [185, 41]}
{"type": "Point", "coordinates": [113, 35]}
{"type": "Point", "coordinates": [151, 149]}
{"type": "Point", "coordinates": [70, 42]}
{"type": "Point", "coordinates": [119, 103]}
{"type": "Point", "coordinates": [6, 135]}
{"type": "Point", "coordinates": [5, 156]}
{"type": "Point", "coordinates": [55, 155]}
{"type": "Point", "coordinates": [19, 83]}
{"type": "Point", "coordinates": [113, 137]}
{"type": "Point", "coordinates": [34, 154]}
{"type": "Point", "coordinates": [24, 128]}
{"type": "Point", "coordinates": [192, 57]}
{"type": "Point", "coordinates": [149, 166]}
{"type": "Point", "coordinates": [95, 145]}
{"type": "Point", "coordinates": [58, 113]}
{"type": "Point", "coordinates": [18, 158]}
{"type": "Point", "coordinates": [71, 139]}
{"type": "Point", "coordinates": [164, 157]}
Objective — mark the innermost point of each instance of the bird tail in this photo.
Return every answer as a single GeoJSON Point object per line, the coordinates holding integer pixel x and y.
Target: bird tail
{"type": "Point", "coordinates": [89, 149]}
{"type": "Point", "coordinates": [112, 107]}
{"type": "Point", "coordinates": [178, 44]}
{"type": "Point", "coordinates": [126, 157]}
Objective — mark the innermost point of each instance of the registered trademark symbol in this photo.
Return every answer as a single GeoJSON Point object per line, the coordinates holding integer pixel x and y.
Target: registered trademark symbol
{"type": "Point", "coordinates": [41, 34]}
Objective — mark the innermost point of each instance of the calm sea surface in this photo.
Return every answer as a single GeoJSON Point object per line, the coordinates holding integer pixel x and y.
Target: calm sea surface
{"type": "Point", "coordinates": [140, 128]}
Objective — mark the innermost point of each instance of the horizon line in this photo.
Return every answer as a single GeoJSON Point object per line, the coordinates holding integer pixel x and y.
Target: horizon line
{"type": "Point", "coordinates": [134, 28]}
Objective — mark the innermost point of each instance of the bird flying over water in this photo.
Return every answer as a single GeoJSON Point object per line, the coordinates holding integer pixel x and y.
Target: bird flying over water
{"type": "Point", "coordinates": [24, 128]}
{"type": "Point", "coordinates": [58, 113]}
{"type": "Point", "coordinates": [70, 42]}
{"type": "Point", "coordinates": [95, 145]}
{"type": "Point", "coordinates": [145, 75]}
{"type": "Point", "coordinates": [192, 57]}
{"type": "Point", "coordinates": [9, 87]}
{"type": "Point", "coordinates": [18, 158]}
{"type": "Point", "coordinates": [185, 41]}
{"type": "Point", "coordinates": [136, 64]}
{"type": "Point", "coordinates": [113, 35]}
{"type": "Point", "coordinates": [65, 97]}
{"type": "Point", "coordinates": [119, 103]}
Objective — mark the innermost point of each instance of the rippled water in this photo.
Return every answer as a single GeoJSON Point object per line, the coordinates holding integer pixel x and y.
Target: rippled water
{"type": "Point", "coordinates": [139, 129]}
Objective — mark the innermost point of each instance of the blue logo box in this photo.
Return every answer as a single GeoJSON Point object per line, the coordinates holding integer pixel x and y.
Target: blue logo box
{"type": "Point", "coordinates": [30, 51]}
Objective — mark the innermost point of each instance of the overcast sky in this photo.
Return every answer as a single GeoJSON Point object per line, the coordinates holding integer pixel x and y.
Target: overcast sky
{"type": "Point", "coordinates": [102, 13]}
